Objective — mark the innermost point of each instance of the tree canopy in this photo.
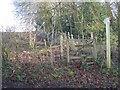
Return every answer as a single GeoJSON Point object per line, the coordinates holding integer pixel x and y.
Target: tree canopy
{"type": "Point", "coordinates": [74, 17]}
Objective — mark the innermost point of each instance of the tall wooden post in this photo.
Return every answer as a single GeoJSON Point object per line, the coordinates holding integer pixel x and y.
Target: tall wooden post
{"type": "Point", "coordinates": [45, 47]}
{"type": "Point", "coordinates": [61, 45]}
{"type": "Point", "coordinates": [68, 35]}
{"type": "Point", "coordinates": [72, 39]}
{"type": "Point", "coordinates": [31, 40]}
{"type": "Point", "coordinates": [68, 57]}
{"type": "Point", "coordinates": [17, 47]}
{"type": "Point", "coordinates": [94, 46]}
{"type": "Point", "coordinates": [71, 36]}
{"type": "Point", "coordinates": [108, 51]}
{"type": "Point", "coordinates": [91, 35]}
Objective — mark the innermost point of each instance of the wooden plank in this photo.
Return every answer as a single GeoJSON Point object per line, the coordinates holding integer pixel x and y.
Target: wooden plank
{"type": "Point", "coordinates": [80, 40]}
{"type": "Point", "coordinates": [56, 46]}
{"type": "Point", "coordinates": [43, 50]}
{"type": "Point", "coordinates": [90, 63]}
{"type": "Point", "coordinates": [94, 50]}
{"type": "Point", "coordinates": [45, 47]}
{"type": "Point", "coordinates": [75, 57]}
{"type": "Point", "coordinates": [81, 45]}
{"type": "Point", "coordinates": [89, 57]}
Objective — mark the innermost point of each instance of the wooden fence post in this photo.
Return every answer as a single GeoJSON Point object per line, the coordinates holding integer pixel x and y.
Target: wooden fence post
{"type": "Point", "coordinates": [17, 47]}
{"type": "Point", "coordinates": [68, 35]}
{"type": "Point", "coordinates": [94, 46]}
{"type": "Point", "coordinates": [30, 38]}
{"type": "Point", "coordinates": [61, 45]}
{"type": "Point", "coordinates": [72, 38]}
{"type": "Point", "coordinates": [94, 49]}
{"type": "Point", "coordinates": [108, 51]}
{"type": "Point", "coordinates": [45, 47]}
{"type": "Point", "coordinates": [91, 35]}
{"type": "Point", "coordinates": [68, 57]}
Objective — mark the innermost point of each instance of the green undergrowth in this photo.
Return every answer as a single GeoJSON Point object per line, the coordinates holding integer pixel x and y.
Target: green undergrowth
{"type": "Point", "coordinates": [32, 73]}
{"type": "Point", "coordinates": [113, 71]}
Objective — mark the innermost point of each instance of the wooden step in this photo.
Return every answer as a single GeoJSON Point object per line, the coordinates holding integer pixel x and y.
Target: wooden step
{"type": "Point", "coordinates": [83, 55]}
{"type": "Point", "coordinates": [90, 63]}
{"type": "Point", "coordinates": [56, 46]}
{"type": "Point", "coordinates": [83, 45]}
{"type": "Point", "coordinates": [75, 57]}
{"type": "Point", "coordinates": [89, 57]}
{"type": "Point", "coordinates": [78, 45]}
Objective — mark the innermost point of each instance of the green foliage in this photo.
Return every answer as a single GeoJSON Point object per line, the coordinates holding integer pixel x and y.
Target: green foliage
{"type": "Point", "coordinates": [113, 71]}
{"type": "Point", "coordinates": [4, 53]}
{"type": "Point", "coordinates": [55, 75]}
{"type": "Point", "coordinates": [105, 72]}
{"type": "Point", "coordinates": [71, 73]}
{"type": "Point", "coordinates": [99, 59]}
{"type": "Point", "coordinates": [70, 17]}
{"type": "Point", "coordinates": [85, 66]}
{"type": "Point", "coordinates": [19, 78]}
{"type": "Point", "coordinates": [7, 68]}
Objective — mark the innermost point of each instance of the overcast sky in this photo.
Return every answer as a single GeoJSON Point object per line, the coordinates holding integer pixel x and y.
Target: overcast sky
{"type": "Point", "coordinates": [6, 15]}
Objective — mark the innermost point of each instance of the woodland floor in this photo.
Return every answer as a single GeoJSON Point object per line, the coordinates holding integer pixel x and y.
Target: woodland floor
{"type": "Point", "coordinates": [59, 75]}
